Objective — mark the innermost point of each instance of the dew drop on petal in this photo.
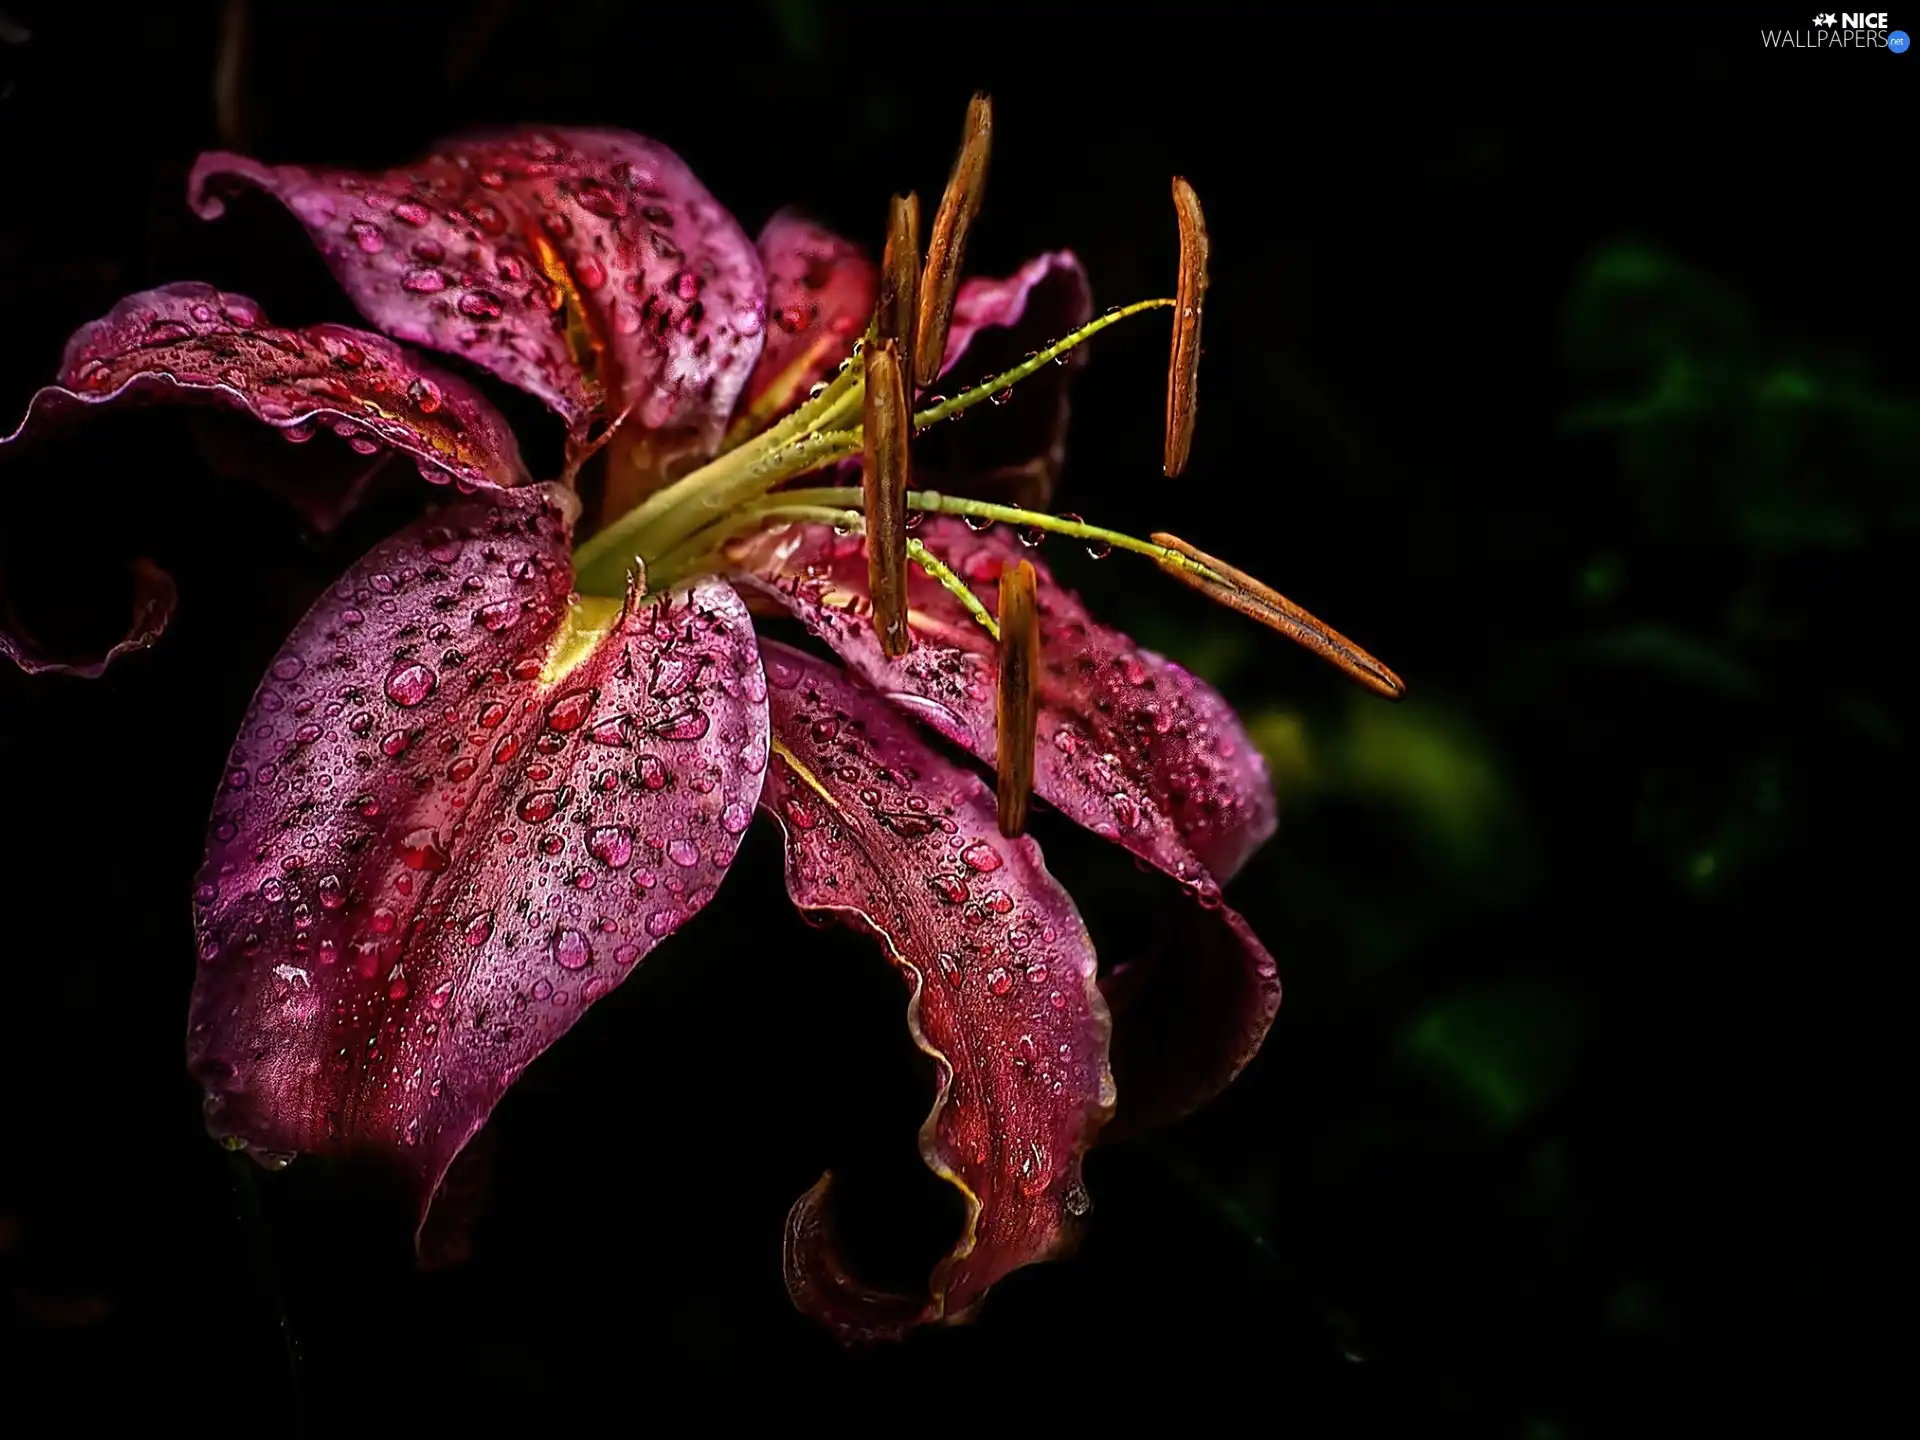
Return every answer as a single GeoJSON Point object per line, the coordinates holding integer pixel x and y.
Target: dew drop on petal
{"type": "Point", "coordinates": [570, 949]}
{"type": "Point", "coordinates": [409, 683]}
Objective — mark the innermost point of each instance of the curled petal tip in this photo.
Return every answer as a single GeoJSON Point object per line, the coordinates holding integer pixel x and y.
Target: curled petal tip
{"type": "Point", "coordinates": [1183, 364]}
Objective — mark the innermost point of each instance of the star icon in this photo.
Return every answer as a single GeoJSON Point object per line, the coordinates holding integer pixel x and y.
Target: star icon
{"type": "Point", "coordinates": [1826, 19]}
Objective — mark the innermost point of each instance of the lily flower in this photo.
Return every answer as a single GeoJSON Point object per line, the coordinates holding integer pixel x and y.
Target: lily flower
{"type": "Point", "coordinates": [503, 759]}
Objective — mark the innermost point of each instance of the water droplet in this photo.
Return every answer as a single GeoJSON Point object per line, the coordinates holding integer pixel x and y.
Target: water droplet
{"type": "Point", "coordinates": [950, 969]}
{"type": "Point", "coordinates": [569, 712]}
{"type": "Point", "coordinates": [653, 775]}
{"type": "Point", "coordinates": [409, 683]}
{"type": "Point", "coordinates": [735, 817]}
{"type": "Point", "coordinates": [981, 856]}
{"type": "Point", "coordinates": [570, 949]}
{"type": "Point", "coordinates": [540, 806]}
{"type": "Point", "coordinates": [950, 888]}
{"type": "Point", "coordinates": [479, 305]}
{"type": "Point", "coordinates": [421, 850]}
{"type": "Point", "coordinates": [611, 845]}
{"type": "Point", "coordinates": [683, 852]}
{"type": "Point", "coordinates": [288, 667]}
{"type": "Point", "coordinates": [999, 981]}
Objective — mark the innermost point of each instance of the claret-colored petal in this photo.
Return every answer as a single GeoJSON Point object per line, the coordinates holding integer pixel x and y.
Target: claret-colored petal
{"type": "Point", "coordinates": [192, 344]}
{"type": "Point", "coordinates": [820, 294]}
{"type": "Point", "coordinates": [1016, 451]}
{"type": "Point", "coordinates": [1129, 745]}
{"type": "Point", "coordinates": [588, 267]}
{"type": "Point", "coordinates": [461, 808]}
{"type": "Point", "coordinates": [884, 830]}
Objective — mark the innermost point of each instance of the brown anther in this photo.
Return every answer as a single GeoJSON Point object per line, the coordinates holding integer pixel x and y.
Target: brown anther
{"type": "Point", "coordinates": [1019, 700]}
{"type": "Point", "coordinates": [946, 247]}
{"type": "Point", "coordinates": [894, 317]}
{"type": "Point", "coordinates": [884, 480]}
{"type": "Point", "coordinates": [1239, 591]}
{"type": "Point", "coordinates": [1183, 365]}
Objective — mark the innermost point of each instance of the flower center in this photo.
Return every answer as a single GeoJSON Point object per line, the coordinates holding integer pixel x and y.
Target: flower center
{"type": "Point", "coordinates": [686, 529]}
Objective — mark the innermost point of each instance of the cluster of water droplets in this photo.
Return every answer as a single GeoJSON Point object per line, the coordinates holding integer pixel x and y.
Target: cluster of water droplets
{"type": "Point", "coordinates": [569, 263]}
{"type": "Point", "coordinates": [1001, 965]}
{"type": "Point", "coordinates": [426, 858]}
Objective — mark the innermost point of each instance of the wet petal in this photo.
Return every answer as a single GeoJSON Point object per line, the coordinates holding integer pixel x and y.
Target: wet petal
{"type": "Point", "coordinates": [190, 343]}
{"type": "Point", "coordinates": [820, 294]}
{"type": "Point", "coordinates": [431, 851]}
{"type": "Point", "coordinates": [1000, 973]}
{"type": "Point", "coordinates": [1018, 450]}
{"type": "Point", "coordinates": [587, 267]}
{"type": "Point", "coordinates": [1130, 745]}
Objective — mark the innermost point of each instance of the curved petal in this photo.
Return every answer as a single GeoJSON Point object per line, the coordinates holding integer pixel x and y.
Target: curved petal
{"type": "Point", "coordinates": [587, 267]}
{"type": "Point", "coordinates": [820, 293]}
{"type": "Point", "coordinates": [1000, 974]}
{"type": "Point", "coordinates": [1016, 453]}
{"type": "Point", "coordinates": [452, 821]}
{"type": "Point", "coordinates": [190, 343]}
{"type": "Point", "coordinates": [1131, 746]}
{"type": "Point", "coordinates": [154, 597]}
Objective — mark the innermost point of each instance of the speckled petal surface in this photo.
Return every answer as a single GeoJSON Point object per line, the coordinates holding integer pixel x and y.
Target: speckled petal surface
{"type": "Point", "coordinates": [903, 842]}
{"type": "Point", "coordinates": [431, 852]}
{"type": "Point", "coordinates": [820, 293]}
{"type": "Point", "coordinates": [1131, 746]}
{"type": "Point", "coordinates": [588, 267]}
{"type": "Point", "coordinates": [190, 343]}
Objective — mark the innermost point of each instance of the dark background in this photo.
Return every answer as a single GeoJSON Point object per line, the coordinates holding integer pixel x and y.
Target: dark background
{"type": "Point", "coordinates": [1568, 364]}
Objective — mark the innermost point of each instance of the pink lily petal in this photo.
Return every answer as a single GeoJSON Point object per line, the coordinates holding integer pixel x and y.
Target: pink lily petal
{"type": "Point", "coordinates": [587, 267]}
{"type": "Point", "coordinates": [1017, 452]}
{"type": "Point", "coordinates": [820, 294]}
{"type": "Point", "coordinates": [428, 858]}
{"type": "Point", "coordinates": [1131, 746]}
{"type": "Point", "coordinates": [191, 343]}
{"type": "Point", "coordinates": [1000, 973]}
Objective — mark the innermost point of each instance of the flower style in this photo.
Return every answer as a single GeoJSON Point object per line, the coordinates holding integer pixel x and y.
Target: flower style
{"type": "Point", "coordinates": [493, 768]}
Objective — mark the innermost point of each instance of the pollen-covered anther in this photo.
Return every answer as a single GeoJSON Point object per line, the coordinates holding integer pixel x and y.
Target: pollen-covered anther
{"type": "Point", "coordinates": [895, 316]}
{"type": "Point", "coordinates": [1019, 696]}
{"type": "Point", "coordinates": [946, 246]}
{"type": "Point", "coordinates": [1183, 364]}
{"type": "Point", "coordinates": [1239, 591]}
{"type": "Point", "coordinates": [887, 427]}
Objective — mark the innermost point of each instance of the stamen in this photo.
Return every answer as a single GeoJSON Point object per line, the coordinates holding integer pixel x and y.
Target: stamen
{"type": "Point", "coordinates": [884, 487]}
{"type": "Point", "coordinates": [1019, 698]}
{"type": "Point", "coordinates": [946, 247]}
{"type": "Point", "coordinates": [577, 460]}
{"type": "Point", "coordinates": [636, 591]}
{"type": "Point", "coordinates": [893, 318]}
{"type": "Point", "coordinates": [1183, 365]}
{"type": "Point", "coordinates": [954, 585]}
{"type": "Point", "coordinates": [1239, 591]}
